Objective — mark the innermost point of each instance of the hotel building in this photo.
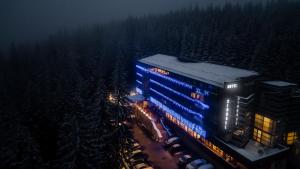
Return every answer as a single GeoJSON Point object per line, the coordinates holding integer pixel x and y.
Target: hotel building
{"type": "Point", "coordinates": [241, 120]}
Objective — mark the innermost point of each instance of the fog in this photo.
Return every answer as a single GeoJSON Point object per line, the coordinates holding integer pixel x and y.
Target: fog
{"type": "Point", "coordinates": [30, 20]}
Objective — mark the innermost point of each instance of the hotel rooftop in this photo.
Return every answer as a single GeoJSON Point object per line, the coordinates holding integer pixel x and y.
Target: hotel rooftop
{"type": "Point", "coordinates": [210, 73]}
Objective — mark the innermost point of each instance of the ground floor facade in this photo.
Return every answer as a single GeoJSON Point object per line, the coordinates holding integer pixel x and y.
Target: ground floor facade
{"type": "Point", "coordinates": [218, 150]}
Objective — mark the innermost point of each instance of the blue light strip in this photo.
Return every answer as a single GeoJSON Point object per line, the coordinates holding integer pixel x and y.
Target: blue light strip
{"type": "Point", "coordinates": [166, 77]}
{"type": "Point", "coordinates": [177, 104]}
{"type": "Point", "coordinates": [139, 82]}
{"type": "Point", "coordinates": [142, 68]}
{"type": "Point", "coordinates": [203, 106]}
{"type": "Point", "coordinates": [172, 80]}
{"type": "Point", "coordinates": [138, 90]}
{"type": "Point", "coordinates": [198, 129]}
{"type": "Point", "coordinates": [139, 74]}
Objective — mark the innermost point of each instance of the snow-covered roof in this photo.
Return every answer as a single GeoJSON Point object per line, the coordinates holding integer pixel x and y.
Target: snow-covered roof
{"type": "Point", "coordinates": [250, 151]}
{"type": "Point", "coordinates": [135, 98]}
{"type": "Point", "coordinates": [207, 72]}
{"type": "Point", "coordinates": [279, 83]}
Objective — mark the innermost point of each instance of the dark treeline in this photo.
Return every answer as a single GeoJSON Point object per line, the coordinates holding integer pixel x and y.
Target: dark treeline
{"type": "Point", "coordinates": [53, 106]}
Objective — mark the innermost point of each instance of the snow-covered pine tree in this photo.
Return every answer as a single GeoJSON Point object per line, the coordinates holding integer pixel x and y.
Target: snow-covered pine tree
{"type": "Point", "coordinates": [19, 150]}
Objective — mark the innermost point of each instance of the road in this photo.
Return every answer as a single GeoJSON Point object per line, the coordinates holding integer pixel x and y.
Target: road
{"type": "Point", "coordinates": [159, 157]}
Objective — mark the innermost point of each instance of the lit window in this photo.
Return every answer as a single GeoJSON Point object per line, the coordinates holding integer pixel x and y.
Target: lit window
{"type": "Point", "coordinates": [257, 135]}
{"type": "Point", "coordinates": [291, 138]}
{"type": "Point", "coordinates": [267, 126]}
{"type": "Point", "coordinates": [266, 138]}
{"type": "Point", "coordinates": [261, 137]}
{"type": "Point", "coordinates": [258, 120]}
{"type": "Point", "coordinates": [263, 123]}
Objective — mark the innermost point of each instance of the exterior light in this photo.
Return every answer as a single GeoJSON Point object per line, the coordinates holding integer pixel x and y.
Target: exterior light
{"type": "Point", "coordinates": [112, 98]}
{"type": "Point", "coordinates": [139, 82]}
{"type": "Point", "coordinates": [232, 86]}
{"type": "Point", "coordinates": [200, 103]}
{"type": "Point", "coordinates": [226, 113]}
{"type": "Point", "coordinates": [237, 111]}
{"type": "Point", "coordinates": [165, 77]}
{"type": "Point", "coordinates": [139, 74]}
{"type": "Point", "coordinates": [132, 93]}
{"type": "Point", "coordinates": [198, 129]}
{"type": "Point", "coordinates": [138, 90]}
{"type": "Point", "coordinates": [177, 104]}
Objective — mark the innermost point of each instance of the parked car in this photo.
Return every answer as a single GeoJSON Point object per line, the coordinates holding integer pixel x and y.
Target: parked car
{"type": "Point", "coordinates": [171, 141]}
{"type": "Point", "coordinates": [195, 164]}
{"type": "Point", "coordinates": [185, 159]}
{"type": "Point", "coordinates": [131, 140]}
{"type": "Point", "coordinates": [135, 161]}
{"type": "Point", "coordinates": [148, 167]}
{"type": "Point", "coordinates": [136, 146]}
{"type": "Point", "coordinates": [137, 154]}
{"type": "Point", "coordinates": [206, 166]}
{"type": "Point", "coordinates": [140, 166]}
{"type": "Point", "coordinates": [179, 153]}
{"type": "Point", "coordinates": [175, 148]}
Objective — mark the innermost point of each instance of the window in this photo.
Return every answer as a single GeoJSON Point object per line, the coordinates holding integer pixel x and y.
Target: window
{"type": "Point", "coordinates": [267, 125]}
{"type": "Point", "coordinates": [263, 123]}
{"type": "Point", "coordinates": [266, 138]}
{"type": "Point", "coordinates": [259, 120]}
{"type": "Point", "coordinates": [257, 135]}
{"type": "Point", "coordinates": [291, 138]}
{"type": "Point", "coordinates": [262, 137]}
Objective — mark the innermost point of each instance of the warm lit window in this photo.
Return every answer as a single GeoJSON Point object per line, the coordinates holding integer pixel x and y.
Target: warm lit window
{"type": "Point", "coordinates": [261, 136]}
{"type": "Point", "coordinates": [267, 126]}
{"type": "Point", "coordinates": [197, 96]}
{"type": "Point", "coordinates": [263, 123]}
{"type": "Point", "coordinates": [257, 135]}
{"type": "Point", "coordinates": [258, 120]}
{"type": "Point", "coordinates": [266, 138]}
{"type": "Point", "coordinates": [291, 138]}
{"type": "Point", "coordinates": [158, 70]}
{"type": "Point", "coordinates": [205, 142]}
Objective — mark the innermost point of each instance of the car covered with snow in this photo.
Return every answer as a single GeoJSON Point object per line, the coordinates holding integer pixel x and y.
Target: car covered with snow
{"type": "Point", "coordinates": [141, 166]}
{"type": "Point", "coordinates": [195, 164]}
{"type": "Point", "coordinates": [171, 141]}
{"type": "Point", "coordinates": [175, 148]}
{"type": "Point", "coordinates": [185, 159]}
{"type": "Point", "coordinates": [137, 154]}
{"type": "Point", "coordinates": [206, 166]}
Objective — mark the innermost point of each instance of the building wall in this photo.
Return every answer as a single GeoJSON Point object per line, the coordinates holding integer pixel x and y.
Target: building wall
{"type": "Point", "coordinates": [205, 111]}
{"type": "Point", "coordinates": [196, 106]}
{"type": "Point", "coordinates": [281, 105]}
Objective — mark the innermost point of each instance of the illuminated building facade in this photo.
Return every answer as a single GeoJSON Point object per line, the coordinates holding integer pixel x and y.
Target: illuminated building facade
{"type": "Point", "coordinates": [217, 106]}
{"type": "Point", "coordinates": [278, 116]}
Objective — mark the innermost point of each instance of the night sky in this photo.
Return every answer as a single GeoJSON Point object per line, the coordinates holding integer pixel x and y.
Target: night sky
{"type": "Point", "coordinates": [30, 20]}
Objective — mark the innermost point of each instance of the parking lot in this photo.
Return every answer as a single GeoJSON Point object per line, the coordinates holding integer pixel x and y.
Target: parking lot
{"type": "Point", "coordinates": [157, 155]}
{"type": "Point", "coordinates": [169, 154]}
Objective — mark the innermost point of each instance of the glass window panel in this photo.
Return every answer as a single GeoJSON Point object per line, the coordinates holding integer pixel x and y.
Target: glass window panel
{"type": "Point", "coordinates": [291, 138]}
